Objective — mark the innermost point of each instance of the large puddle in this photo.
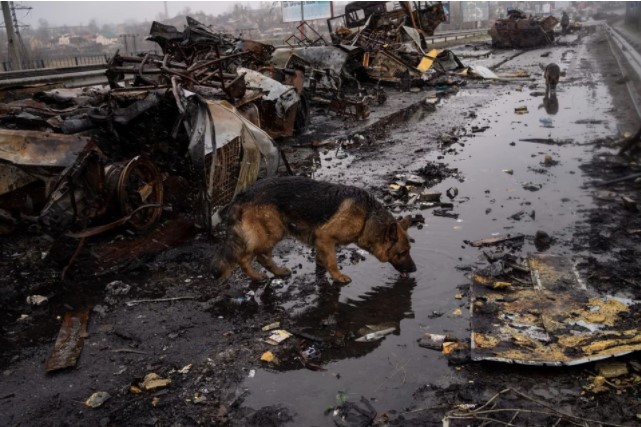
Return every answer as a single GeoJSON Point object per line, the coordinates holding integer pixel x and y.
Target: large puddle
{"type": "Point", "coordinates": [501, 175]}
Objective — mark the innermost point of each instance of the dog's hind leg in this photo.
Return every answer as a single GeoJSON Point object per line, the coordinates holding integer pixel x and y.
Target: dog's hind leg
{"type": "Point", "coordinates": [326, 257]}
{"type": "Point", "coordinates": [267, 261]}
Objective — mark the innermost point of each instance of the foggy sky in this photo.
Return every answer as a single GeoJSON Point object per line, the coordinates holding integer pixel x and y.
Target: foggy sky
{"type": "Point", "coordinates": [59, 13]}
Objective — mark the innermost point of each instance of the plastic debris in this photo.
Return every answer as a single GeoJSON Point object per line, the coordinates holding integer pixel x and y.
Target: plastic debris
{"type": "Point", "coordinates": [278, 336]}
{"type": "Point", "coordinates": [97, 399]}
{"type": "Point", "coordinates": [434, 341]}
{"type": "Point", "coordinates": [374, 336]}
{"type": "Point", "coordinates": [521, 110]}
{"type": "Point", "coordinates": [546, 122]}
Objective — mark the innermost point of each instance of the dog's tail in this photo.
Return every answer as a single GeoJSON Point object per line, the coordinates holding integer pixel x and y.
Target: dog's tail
{"type": "Point", "coordinates": [226, 253]}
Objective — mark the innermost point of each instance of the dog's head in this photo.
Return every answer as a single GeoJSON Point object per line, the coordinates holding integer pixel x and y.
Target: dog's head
{"type": "Point", "coordinates": [395, 247]}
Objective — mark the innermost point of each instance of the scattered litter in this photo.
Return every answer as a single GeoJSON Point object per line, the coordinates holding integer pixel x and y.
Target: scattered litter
{"type": "Point", "coordinates": [612, 369]}
{"type": "Point", "coordinates": [153, 381]}
{"type": "Point", "coordinates": [445, 213]}
{"type": "Point", "coordinates": [199, 398]}
{"type": "Point", "coordinates": [252, 373]}
{"type": "Point", "coordinates": [374, 336]}
{"type": "Point", "coordinates": [508, 171]}
{"type": "Point", "coordinates": [37, 300]}
{"type": "Point", "coordinates": [496, 240]}
{"type": "Point", "coordinates": [530, 186]}
{"type": "Point", "coordinates": [549, 161]}
{"type": "Point", "coordinates": [521, 110]}
{"type": "Point", "coordinates": [269, 357]}
{"type": "Point", "coordinates": [271, 326]}
{"type": "Point", "coordinates": [452, 192]}
{"type": "Point", "coordinates": [140, 301]}
{"type": "Point", "coordinates": [70, 341]}
{"type": "Point", "coordinates": [598, 385]}
{"type": "Point", "coordinates": [117, 287]}
{"type": "Point", "coordinates": [542, 241]}
{"type": "Point", "coordinates": [185, 369]}
{"type": "Point", "coordinates": [97, 399]}
{"type": "Point", "coordinates": [434, 341]}
{"type": "Point", "coordinates": [430, 196]}
{"type": "Point", "coordinates": [278, 336]}
{"type": "Point", "coordinates": [546, 122]}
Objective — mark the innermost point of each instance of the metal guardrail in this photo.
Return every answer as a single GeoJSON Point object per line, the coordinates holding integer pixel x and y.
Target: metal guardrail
{"type": "Point", "coordinates": [622, 49]}
{"type": "Point", "coordinates": [456, 35]}
{"type": "Point", "coordinates": [56, 62]}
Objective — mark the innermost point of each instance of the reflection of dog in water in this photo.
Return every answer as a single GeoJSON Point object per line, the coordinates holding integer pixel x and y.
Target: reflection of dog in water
{"type": "Point", "coordinates": [317, 213]}
{"type": "Point", "coordinates": [551, 104]}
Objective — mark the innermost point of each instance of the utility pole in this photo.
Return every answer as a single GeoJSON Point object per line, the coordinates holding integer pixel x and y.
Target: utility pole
{"type": "Point", "coordinates": [124, 36]}
{"type": "Point", "coordinates": [166, 11]}
{"type": "Point", "coordinates": [16, 26]}
{"type": "Point", "coordinates": [133, 38]}
{"type": "Point", "coordinates": [14, 51]}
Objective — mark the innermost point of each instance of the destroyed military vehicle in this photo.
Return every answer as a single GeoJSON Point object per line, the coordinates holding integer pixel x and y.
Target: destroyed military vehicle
{"type": "Point", "coordinates": [520, 31]}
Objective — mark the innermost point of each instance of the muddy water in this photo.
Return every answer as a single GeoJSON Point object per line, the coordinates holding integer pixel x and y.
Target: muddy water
{"type": "Point", "coordinates": [387, 372]}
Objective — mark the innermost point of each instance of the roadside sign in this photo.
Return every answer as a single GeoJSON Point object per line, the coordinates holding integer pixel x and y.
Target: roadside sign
{"type": "Point", "coordinates": [295, 11]}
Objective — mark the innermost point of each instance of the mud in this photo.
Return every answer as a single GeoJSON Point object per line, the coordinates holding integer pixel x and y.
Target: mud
{"type": "Point", "coordinates": [323, 374]}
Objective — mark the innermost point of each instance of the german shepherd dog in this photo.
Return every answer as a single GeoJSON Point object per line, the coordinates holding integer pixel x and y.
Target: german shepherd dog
{"type": "Point", "coordinates": [551, 74]}
{"type": "Point", "coordinates": [317, 213]}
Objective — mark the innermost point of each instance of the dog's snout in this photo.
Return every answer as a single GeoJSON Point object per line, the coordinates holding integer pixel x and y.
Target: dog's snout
{"type": "Point", "coordinates": [405, 266]}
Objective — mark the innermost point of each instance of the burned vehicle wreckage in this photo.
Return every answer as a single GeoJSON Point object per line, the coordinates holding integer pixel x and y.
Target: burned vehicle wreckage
{"type": "Point", "coordinates": [81, 162]}
{"type": "Point", "coordinates": [183, 131]}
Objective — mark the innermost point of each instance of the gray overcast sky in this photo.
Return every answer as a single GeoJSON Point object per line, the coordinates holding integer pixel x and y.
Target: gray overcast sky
{"type": "Point", "coordinates": [81, 12]}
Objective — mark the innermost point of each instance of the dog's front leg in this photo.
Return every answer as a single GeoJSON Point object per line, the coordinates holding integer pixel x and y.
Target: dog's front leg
{"type": "Point", "coordinates": [267, 261]}
{"type": "Point", "coordinates": [245, 263]}
{"type": "Point", "coordinates": [326, 257]}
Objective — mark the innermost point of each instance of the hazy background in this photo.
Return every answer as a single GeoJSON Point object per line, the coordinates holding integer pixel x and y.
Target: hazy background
{"type": "Point", "coordinates": [81, 12]}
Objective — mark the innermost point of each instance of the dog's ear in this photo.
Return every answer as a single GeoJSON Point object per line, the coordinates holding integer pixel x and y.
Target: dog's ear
{"type": "Point", "coordinates": [405, 222]}
{"type": "Point", "coordinates": [392, 232]}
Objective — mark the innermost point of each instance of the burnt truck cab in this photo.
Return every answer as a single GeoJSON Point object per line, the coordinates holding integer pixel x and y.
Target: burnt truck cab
{"type": "Point", "coordinates": [423, 16]}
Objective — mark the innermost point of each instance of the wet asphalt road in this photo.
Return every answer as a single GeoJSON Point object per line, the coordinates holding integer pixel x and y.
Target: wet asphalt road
{"type": "Point", "coordinates": [390, 371]}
